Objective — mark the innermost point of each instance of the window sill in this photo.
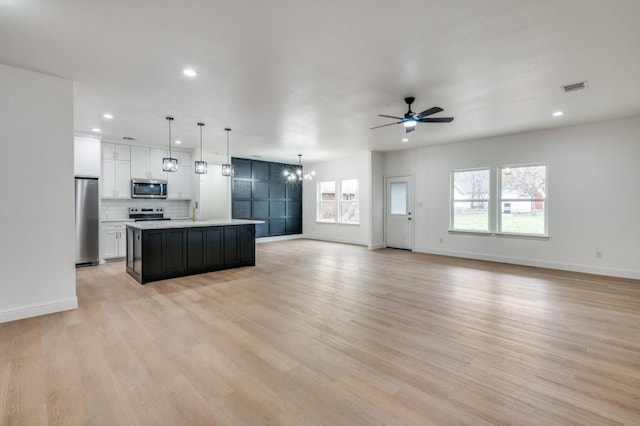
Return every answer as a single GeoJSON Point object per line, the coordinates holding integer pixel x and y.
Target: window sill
{"type": "Point", "coordinates": [470, 232]}
{"type": "Point", "coordinates": [522, 236]}
{"type": "Point", "coordinates": [337, 223]}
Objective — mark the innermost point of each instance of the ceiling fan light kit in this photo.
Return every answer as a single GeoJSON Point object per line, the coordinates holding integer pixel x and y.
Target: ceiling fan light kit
{"type": "Point", "coordinates": [411, 119]}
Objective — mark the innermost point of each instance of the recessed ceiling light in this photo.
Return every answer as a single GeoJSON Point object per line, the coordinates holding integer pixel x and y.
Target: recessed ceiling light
{"type": "Point", "coordinates": [558, 114]}
{"type": "Point", "coordinates": [107, 116]}
{"type": "Point", "coordinates": [405, 140]}
{"type": "Point", "coordinates": [189, 72]}
{"type": "Point", "coordinates": [178, 141]}
{"type": "Point", "coordinates": [95, 129]}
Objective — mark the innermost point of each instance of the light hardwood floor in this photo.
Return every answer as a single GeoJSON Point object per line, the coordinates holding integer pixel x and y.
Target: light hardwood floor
{"type": "Point", "coordinates": [323, 333]}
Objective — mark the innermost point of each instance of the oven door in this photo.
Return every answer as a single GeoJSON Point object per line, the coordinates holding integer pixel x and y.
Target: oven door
{"type": "Point", "coordinates": [148, 188]}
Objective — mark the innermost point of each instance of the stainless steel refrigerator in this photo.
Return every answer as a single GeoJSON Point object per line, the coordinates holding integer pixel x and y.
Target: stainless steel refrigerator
{"type": "Point", "coordinates": [87, 226]}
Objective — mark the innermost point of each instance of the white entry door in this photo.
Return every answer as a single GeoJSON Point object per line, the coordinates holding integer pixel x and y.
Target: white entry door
{"type": "Point", "coordinates": [399, 222]}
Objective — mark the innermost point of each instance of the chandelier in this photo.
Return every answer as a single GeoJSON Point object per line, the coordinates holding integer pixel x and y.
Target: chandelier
{"type": "Point", "coordinates": [297, 173]}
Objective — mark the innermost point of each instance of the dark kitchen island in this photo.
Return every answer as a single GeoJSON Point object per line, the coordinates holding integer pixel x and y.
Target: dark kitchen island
{"type": "Point", "coordinates": [158, 250]}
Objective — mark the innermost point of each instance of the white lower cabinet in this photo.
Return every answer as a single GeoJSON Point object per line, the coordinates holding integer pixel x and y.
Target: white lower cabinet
{"type": "Point", "coordinates": [114, 240]}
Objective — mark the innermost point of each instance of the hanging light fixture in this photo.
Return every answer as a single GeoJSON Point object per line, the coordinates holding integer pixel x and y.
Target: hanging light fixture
{"type": "Point", "coordinates": [201, 166]}
{"type": "Point", "coordinates": [169, 164]}
{"type": "Point", "coordinates": [227, 169]}
{"type": "Point", "coordinates": [297, 173]}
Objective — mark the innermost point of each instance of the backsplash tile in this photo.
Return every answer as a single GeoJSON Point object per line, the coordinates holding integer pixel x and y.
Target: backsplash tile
{"type": "Point", "coordinates": [119, 209]}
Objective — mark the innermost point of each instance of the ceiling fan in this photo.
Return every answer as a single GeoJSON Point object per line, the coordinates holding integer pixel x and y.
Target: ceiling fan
{"type": "Point", "coordinates": [410, 119]}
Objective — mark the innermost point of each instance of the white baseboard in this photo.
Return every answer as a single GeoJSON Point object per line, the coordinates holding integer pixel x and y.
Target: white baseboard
{"type": "Point", "coordinates": [37, 310]}
{"type": "Point", "coordinates": [279, 238]}
{"type": "Point", "coordinates": [376, 246]}
{"type": "Point", "coordinates": [587, 269]}
{"type": "Point", "coordinates": [336, 240]}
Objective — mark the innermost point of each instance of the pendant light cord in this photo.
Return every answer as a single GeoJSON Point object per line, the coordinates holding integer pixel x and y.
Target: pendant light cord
{"type": "Point", "coordinates": [200, 125]}
{"type": "Point", "coordinates": [228, 159]}
{"type": "Point", "coordinates": [169, 119]}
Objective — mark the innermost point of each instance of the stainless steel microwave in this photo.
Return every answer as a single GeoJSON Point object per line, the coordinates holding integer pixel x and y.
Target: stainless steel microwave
{"type": "Point", "coordinates": [148, 188]}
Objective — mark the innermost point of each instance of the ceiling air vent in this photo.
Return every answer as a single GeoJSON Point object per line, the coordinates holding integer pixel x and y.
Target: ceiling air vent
{"type": "Point", "coordinates": [127, 138]}
{"type": "Point", "coordinates": [575, 86]}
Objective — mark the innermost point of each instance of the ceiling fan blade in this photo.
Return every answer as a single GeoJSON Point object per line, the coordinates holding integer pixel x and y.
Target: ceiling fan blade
{"type": "Point", "coordinates": [409, 129]}
{"type": "Point", "coordinates": [436, 120]}
{"type": "Point", "coordinates": [430, 111]}
{"type": "Point", "coordinates": [390, 116]}
{"type": "Point", "coordinates": [384, 125]}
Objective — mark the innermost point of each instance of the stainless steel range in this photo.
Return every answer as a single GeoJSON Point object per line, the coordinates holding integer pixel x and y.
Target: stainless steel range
{"type": "Point", "coordinates": [147, 213]}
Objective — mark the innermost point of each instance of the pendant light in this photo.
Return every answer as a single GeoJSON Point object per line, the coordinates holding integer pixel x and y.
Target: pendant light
{"type": "Point", "coordinates": [200, 166]}
{"type": "Point", "coordinates": [227, 169]}
{"type": "Point", "coordinates": [169, 164]}
{"type": "Point", "coordinates": [297, 174]}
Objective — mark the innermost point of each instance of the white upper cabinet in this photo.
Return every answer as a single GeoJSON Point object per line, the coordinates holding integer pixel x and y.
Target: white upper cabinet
{"type": "Point", "coordinates": [155, 163]}
{"type": "Point", "coordinates": [86, 156]}
{"type": "Point", "coordinates": [115, 179]}
{"type": "Point", "coordinates": [146, 163]}
{"type": "Point", "coordinates": [139, 162]}
{"type": "Point", "coordinates": [116, 151]}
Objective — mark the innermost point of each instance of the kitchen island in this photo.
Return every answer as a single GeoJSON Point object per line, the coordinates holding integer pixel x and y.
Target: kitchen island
{"type": "Point", "coordinates": [158, 250]}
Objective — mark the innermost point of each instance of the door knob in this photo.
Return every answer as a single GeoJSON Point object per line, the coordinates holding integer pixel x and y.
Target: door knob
{"type": "Point", "coordinates": [409, 218]}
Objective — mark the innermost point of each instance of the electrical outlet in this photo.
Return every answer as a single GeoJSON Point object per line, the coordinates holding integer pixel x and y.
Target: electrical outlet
{"type": "Point", "coordinates": [598, 255]}
{"type": "Point", "coordinates": [441, 240]}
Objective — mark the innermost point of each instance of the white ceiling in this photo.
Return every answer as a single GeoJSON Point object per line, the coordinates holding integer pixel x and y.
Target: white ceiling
{"type": "Point", "coordinates": [292, 76]}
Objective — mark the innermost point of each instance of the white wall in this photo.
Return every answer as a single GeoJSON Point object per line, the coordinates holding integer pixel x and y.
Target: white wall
{"type": "Point", "coordinates": [348, 168]}
{"type": "Point", "coordinates": [594, 203]}
{"type": "Point", "coordinates": [376, 226]}
{"type": "Point", "coordinates": [37, 246]}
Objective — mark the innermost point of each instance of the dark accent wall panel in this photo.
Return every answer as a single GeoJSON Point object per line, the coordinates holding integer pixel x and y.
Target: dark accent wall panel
{"type": "Point", "coordinates": [261, 191]}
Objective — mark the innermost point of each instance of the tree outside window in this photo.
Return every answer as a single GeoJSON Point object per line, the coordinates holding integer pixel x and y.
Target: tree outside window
{"type": "Point", "coordinates": [350, 204]}
{"type": "Point", "coordinates": [470, 198]}
{"type": "Point", "coordinates": [327, 201]}
{"type": "Point", "coordinates": [523, 201]}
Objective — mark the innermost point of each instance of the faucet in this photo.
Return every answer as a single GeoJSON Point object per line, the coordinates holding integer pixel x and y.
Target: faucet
{"type": "Point", "coordinates": [195, 208]}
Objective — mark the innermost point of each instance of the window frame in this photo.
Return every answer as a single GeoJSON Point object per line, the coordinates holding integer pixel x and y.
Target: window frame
{"type": "Point", "coordinates": [453, 200]}
{"type": "Point", "coordinates": [500, 200]}
{"type": "Point", "coordinates": [337, 202]}
{"type": "Point", "coordinates": [322, 202]}
{"type": "Point", "coordinates": [350, 202]}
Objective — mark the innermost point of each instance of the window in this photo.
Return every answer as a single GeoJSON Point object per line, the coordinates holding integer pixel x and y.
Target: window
{"type": "Point", "coordinates": [327, 203]}
{"type": "Point", "coordinates": [399, 199]}
{"type": "Point", "coordinates": [349, 201]}
{"type": "Point", "coordinates": [523, 201]}
{"type": "Point", "coordinates": [470, 200]}
{"type": "Point", "coordinates": [347, 204]}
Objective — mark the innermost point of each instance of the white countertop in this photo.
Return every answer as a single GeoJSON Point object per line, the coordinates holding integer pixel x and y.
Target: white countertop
{"type": "Point", "coordinates": [115, 220]}
{"type": "Point", "coordinates": [168, 224]}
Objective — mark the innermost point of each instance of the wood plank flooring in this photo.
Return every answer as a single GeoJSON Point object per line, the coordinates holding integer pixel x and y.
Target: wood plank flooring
{"type": "Point", "coordinates": [323, 333]}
